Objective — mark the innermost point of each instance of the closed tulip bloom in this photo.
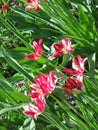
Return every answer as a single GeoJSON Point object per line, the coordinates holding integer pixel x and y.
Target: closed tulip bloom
{"type": "Point", "coordinates": [72, 83]}
{"type": "Point", "coordinates": [70, 71]}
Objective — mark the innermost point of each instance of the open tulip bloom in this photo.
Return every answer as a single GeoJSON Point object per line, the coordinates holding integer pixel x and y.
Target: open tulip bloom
{"type": "Point", "coordinates": [62, 48]}
{"type": "Point", "coordinates": [38, 50]}
{"type": "Point", "coordinates": [46, 82]}
{"type": "Point", "coordinates": [33, 4]}
{"type": "Point", "coordinates": [78, 64]}
{"type": "Point", "coordinates": [31, 110]}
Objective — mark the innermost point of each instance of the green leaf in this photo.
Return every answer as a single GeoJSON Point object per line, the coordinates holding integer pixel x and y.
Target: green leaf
{"type": "Point", "coordinates": [6, 85]}
{"type": "Point", "coordinates": [12, 108]}
{"type": "Point", "coordinates": [12, 97]}
{"type": "Point", "coordinates": [88, 114]}
{"type": "Point", "coordinates": [28, 124]}
{"type": "Point", "coordinates": [54, 120]}
{"type": "Point", "coordinates": [83, 17]}
{"type": "Point", "coordinates": [15, 64]}
{"type": "Point", "coordinates": [91, 63]}
{"type": "Point", "coordinates": [73, 114]}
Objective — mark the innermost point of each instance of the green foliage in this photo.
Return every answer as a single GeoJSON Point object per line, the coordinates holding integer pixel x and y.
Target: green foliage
{"type": "Point", "coordinates": [56, 19]}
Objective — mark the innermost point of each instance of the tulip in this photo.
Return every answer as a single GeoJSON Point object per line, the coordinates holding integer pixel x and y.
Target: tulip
{"type": "Point", "coordinates": [78, 64]}
{"type": "Point", "coordinates": [62, 48]}
{"type": "Point", "coordinates": [38, 50]}
{"type": "Point", "coordinates": [35, 110]}
{"type": "Point", "coordinates": [46, 82]}
{"type": "Point", "coordinates": [72, 83]}
{"type": "Point", "coordinates": [4, 7]}
{"type": "Point", "coordinates": [33, 4]}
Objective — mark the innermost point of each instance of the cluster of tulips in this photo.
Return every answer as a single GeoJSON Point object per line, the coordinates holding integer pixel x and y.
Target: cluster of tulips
{"type": "Point", "coordinates": [44, 84]}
